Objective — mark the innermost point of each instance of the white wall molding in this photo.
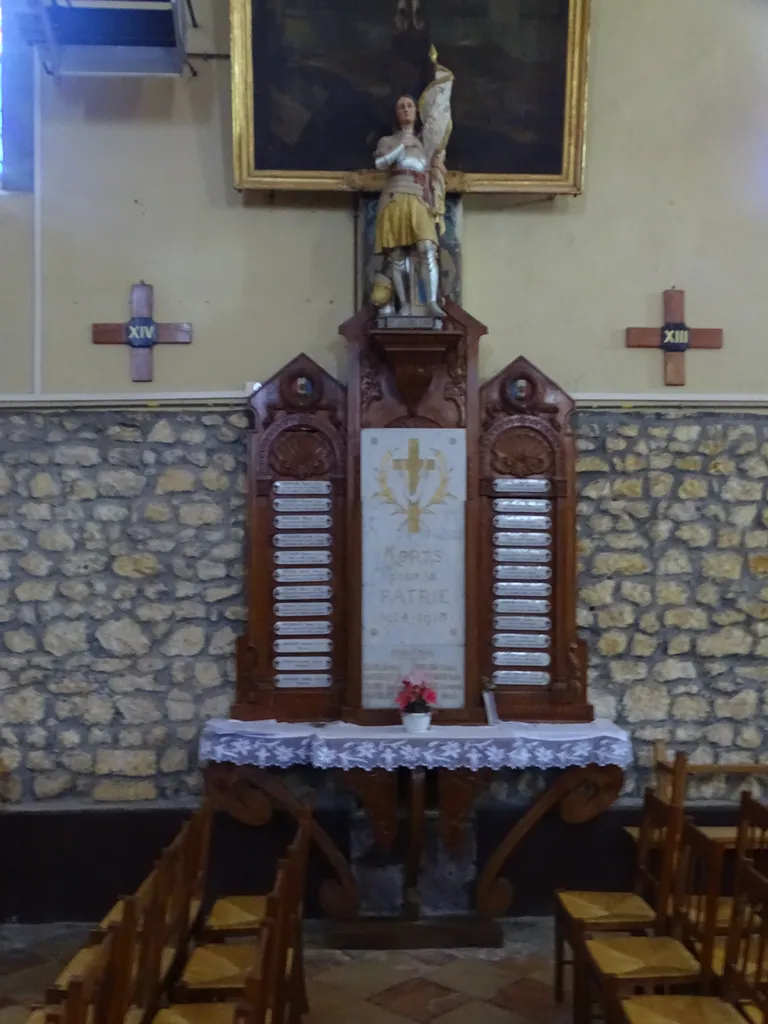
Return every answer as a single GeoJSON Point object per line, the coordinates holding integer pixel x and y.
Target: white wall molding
{"type": "Point", "coordinates": [178, 399]}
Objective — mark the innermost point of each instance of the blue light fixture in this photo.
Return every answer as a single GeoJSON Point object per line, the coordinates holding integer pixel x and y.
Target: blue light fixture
{"type": "Point", "coordinates": [107, 37]}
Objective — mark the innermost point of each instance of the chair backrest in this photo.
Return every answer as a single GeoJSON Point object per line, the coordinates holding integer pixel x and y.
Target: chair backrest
{"type": "Point", "coordinates": [745, 978]}
{"type": "Point", "coordinates": [90, 996]}
{"type": "Point", "coordinates": [752, 837]}
{"type": "Point", "coordinates": [660, 828]}
{"type": "Point", "coordinates": [670, 775]}
{"type": "Point", "coordinates": [696, 891]}
{"type": "Point", "coordinates": [203, 825]}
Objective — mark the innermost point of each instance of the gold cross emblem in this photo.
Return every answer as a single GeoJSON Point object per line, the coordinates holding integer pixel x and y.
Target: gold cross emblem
{"type": "Point", "coordinates": [413, 465]}
{"type": "Point", "coordinates": [415, 469]}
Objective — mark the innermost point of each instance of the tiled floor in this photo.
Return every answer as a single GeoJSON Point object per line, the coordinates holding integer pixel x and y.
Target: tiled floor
{"type": "Point", "coordinates": [485, 986]}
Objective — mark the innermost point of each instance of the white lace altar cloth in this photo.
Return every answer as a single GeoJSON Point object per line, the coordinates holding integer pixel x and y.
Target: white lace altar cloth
{"type": "Point", "coordinates": [339, 745]}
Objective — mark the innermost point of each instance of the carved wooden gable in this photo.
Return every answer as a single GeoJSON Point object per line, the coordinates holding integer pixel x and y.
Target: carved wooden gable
{"type": "Point", "coordinates": [529, 647]}
{"type": "Point", "coordinates": [291, 661]}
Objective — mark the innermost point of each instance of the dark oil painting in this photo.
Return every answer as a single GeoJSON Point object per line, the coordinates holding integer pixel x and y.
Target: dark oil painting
{"type": "Point", "coordinates": [326, 74]}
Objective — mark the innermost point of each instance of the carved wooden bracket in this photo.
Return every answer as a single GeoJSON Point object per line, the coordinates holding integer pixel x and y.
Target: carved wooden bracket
{"type": "Point", "coordinates": [414, 359]}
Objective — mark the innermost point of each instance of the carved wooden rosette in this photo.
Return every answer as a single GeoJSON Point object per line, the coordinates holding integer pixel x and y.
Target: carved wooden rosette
{"type": "Point", "coordinates": [297, 436]}
{"type": "Point", "coordinates": [411, 378]}
{"type": "Point", "coordinates": [526, 443]}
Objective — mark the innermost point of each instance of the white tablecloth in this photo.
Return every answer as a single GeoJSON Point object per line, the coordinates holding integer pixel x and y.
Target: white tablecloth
{"type": "Point", "coordinates": [339, 745]}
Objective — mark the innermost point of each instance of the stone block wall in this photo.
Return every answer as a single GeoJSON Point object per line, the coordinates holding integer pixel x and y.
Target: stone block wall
{"type": "Point", "coordinates": [121, 568]}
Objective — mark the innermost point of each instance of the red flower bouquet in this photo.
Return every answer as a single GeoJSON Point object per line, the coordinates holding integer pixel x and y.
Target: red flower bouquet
{"type": "Point", "coordinates": [416, 697]}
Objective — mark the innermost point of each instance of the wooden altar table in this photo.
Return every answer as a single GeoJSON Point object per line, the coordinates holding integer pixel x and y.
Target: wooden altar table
{"type": "Point", "coordinates": [241, 779]}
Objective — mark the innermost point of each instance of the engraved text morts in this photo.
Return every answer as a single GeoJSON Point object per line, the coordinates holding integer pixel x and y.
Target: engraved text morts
{"type": "Point", "coordinates": [413, 490]}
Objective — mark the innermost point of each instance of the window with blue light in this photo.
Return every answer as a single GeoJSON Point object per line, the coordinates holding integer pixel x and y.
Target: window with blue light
{"type": "Point", "coordinates": [1, 92]}
{"type": "Point", "coordinates": [16, 105]}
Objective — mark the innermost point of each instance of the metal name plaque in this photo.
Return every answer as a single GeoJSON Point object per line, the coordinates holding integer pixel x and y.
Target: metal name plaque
{"type": "Point", "coordinates": [511, 605]}
{"type": "Point", "coordinates": [520, 678]}
{"type": "Point", "coordinates": [522, 522]}
{"type": "Point", "coordinates": [302, 540]}
{"type": "Point", "coordinates": [522, 505]}
{"type": "Point", "coordinates": [522, 572]}
{"type": "Point", "coordinates": [302, 504]}
{"type": "Point", "coordinates": [517, 485]}
{"type": "Point", "coordinates": [302, 664]}
{"type": "Point", "coordinates": [522, 622]}
{"type": "Point", "coordinates": [302, 486]}
{"type": "Point", "coordinates": [290, 679]}
{"type": "Point", "coordinates": [303, 628]}
{"type": "Point", "coordinates": [302, 593]}
{"type": "Point", "coordinates": [520, 640]}
{"type": "Point", "coordinates": [522, 589]}
{"type": "Point", "coordinates": [523, 540]}
{"type": "Point", "coordinates": [520, 658]}
{"type": "Point", "coordinates": [522, 555]}
{"type": "Point", "coordinates": [302, 609]}
{"type": "Point", "coordinates": [297, 646]}
{"type": "Point", "coordinates": [306, 574]}
{"type": "Point", "coordinates": [303, 557]}
{"type": "Point", "coordinates": [302, 522]}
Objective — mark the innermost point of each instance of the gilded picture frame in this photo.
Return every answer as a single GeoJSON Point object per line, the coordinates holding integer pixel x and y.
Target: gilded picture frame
{"type": "Point", "coordinates": [268, 104]}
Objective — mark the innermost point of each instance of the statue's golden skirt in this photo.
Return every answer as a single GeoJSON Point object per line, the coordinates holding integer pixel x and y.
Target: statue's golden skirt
{"type": "Point", "coordinates": [404, 221]}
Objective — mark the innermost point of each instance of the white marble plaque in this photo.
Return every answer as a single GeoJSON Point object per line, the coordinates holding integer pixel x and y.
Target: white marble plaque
{"type": "Point", "coordinates": [303, 646]}
{"type": "Point", "coordinates": [413, 489]}
{"type": "Point", "coordinates": [522, 555]}
{"type": "Point", "coordinates": [302, 486]}
{"type": "Point", "coordinates": [522, 589]}
{"type": "Point", "coordinates": [306, 574]}
{"type": "Point", "coordinates": [302, 664]}
{"type": "Point", "coordinates": [386, 665]}
{"type": "Point", "coordinates": [522, 505]}
{"type": "Point", "coordinates": [504, 604]}
{"type": "Point", "coordinates": [302, 522]}
{"type": "Point", "coordinates": [520, 658]}
{"type": "Point", "coordinates": [522, 622]}
{"type": "Point", "coordinates": [303, 628]}
{"type": "Point", "coordinates": [318, 593]}
{"type": "Point", "coordinates": [522, 540]}
{"type": "Point", "coordinates": [302, 504]}
{"type": "Point", "coordinates": [520, 640]}
{"type": "Point", "coordinates": [522, 522]}
{"type": "Point", "coordinates": [521, 485]}
{"type": "Point", "coordinates": [291, 679]}
{"type": "Point", "coordinates": [303, 557]}
{"type": "Point", "coordinates": [302, 540]}
{"type": "Point", "coordinates": [522, 572]}
{"type": "Point", "coordinates": [520, 678]}
{"type": "Point", "coordinates": [302, 609]}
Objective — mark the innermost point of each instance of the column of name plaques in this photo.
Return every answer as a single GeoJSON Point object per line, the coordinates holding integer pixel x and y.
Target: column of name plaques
{"type": "Point", "coordinates": [303, 583]}
{"type": "Point", "coordinates": [522, 581]}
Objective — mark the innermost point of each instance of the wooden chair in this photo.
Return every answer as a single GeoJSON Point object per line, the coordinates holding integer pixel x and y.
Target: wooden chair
{"type": "Point", "coordinates": [240, 917]}
{"type": "Point", "coordinates": [194, 837]}
{"type": "Point", "coordinates": [266, 987]}
{"type": "Point", "coordinates": [751, 844]}
{"type": "Point", "coordinates": [216, 971]}
{"type": "Point", "coordinates": [579, 914]}
{"type": "Point", "coordinates": [617, 966]}
{"type": "Point", "coordinates": [94, 996]}
{"type": "Point", "coordinates": [744, 992]}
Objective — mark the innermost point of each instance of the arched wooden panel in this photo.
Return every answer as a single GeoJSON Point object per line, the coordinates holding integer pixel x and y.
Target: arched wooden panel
{"type": "Point", "coordinates": [530, 652]}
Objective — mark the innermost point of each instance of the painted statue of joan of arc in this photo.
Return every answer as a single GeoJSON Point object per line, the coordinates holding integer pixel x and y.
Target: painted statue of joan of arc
{"type": "Point", "coordinates": [412, 204]}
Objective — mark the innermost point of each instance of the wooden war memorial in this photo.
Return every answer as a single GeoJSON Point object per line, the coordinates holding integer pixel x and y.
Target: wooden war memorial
{"type": "Point", "coordinates": [467, 521]}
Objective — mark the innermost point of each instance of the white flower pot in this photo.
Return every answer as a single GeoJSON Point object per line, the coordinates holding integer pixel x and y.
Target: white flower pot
{"type": "Point", "coordinates": [418, 722]}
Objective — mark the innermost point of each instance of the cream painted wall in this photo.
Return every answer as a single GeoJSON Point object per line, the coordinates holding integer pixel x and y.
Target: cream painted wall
{"type": "Point", "coordinates": [136, 182]}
